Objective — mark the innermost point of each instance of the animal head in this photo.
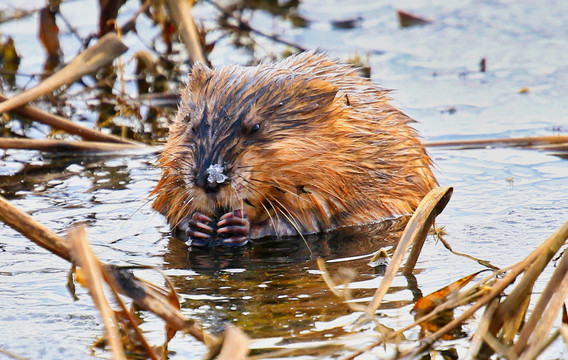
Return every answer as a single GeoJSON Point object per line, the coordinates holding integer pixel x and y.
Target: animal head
{"type": "Point", "coordinates": [245, 137]}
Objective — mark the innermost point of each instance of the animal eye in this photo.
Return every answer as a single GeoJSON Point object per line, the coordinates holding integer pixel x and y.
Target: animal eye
{"type": "Point", "coordinates": [187, 118]}
{"type": "Point", "coordinates": [254, 128]}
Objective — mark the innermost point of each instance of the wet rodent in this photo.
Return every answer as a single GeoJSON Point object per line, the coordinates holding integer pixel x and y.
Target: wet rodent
{"type": "Point", "coordinates": [299, 146]}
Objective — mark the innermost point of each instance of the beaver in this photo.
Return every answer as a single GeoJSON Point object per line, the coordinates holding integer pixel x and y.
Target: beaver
{"type": "Point", "coordinates": [299, 146]}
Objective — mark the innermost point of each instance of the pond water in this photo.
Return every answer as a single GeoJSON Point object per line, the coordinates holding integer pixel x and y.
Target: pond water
{"type": "Point", "coordinates": [506, 201]}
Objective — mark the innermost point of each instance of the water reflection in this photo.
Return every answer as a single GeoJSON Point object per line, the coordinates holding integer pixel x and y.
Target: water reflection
{"type": "Point", "coordinates": [51, 172]}
{"type": "Point", "coordinates": [272, 288]}
{"type": "Point", "coordinates": [273, 252]}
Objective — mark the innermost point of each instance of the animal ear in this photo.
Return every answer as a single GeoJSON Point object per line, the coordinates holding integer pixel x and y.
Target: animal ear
{"type": "Point", "coordinates": [198, 76]}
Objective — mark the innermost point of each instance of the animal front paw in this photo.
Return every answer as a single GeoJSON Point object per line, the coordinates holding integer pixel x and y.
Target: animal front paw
{"type": "Point", "coordinates": [199, 230]}
{"type": "Point", "coordinates": [233, 228]}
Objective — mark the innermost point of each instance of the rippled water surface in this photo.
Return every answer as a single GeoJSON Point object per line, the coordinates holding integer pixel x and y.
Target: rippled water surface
{"type": "Point", "coordinates": [506, 201]}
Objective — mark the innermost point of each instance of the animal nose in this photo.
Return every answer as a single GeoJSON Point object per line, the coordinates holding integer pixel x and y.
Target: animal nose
{"type": "Point", "coordinates": [213, 178]}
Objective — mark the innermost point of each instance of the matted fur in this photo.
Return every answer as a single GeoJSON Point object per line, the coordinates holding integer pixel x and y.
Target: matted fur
{"type": "Point", "coordinates": [330, 151]}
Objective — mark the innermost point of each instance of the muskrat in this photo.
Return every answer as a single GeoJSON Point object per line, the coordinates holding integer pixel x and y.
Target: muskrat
{"type": "Point", "coordinates": [299, 146]}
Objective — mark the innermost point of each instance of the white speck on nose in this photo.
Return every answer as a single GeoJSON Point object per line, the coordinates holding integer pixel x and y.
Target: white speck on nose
{"type": "Point", "coordinates": [215, 174]}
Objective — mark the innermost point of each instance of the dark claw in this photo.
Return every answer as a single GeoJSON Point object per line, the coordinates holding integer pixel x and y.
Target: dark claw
{"type": "Point", "coordinates": [230, 221]}
{"type": "Point", "coordinates": [201, 218]}
{"type": "Point", "coordinates": [198, 223]}
{"type": "Point", "coordinates": [197, 234]}
{"type": "Point", "coordinates": [242, 230]}
{"type": "Point", "coordinates": [200, 226]}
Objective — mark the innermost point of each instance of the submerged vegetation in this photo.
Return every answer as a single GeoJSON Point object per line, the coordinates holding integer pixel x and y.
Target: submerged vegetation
{"type": "Point", "coordinates": [133, 97]}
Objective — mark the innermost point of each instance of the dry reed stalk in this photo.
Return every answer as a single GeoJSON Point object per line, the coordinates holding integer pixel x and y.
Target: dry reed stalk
{"type": "Point", "coordinates": [6, 353]}
{"type": "Point", "coordinates": [561, 147]}
{"type": "Point", "coordinates": [485, 263]}
{"type": "Point", "coordinates": [180, 11]}
{"type": "Point", "coordinates": [57, 146]}
{"type": "Point", "coordinates": [537, 328]}
{"type": "Point", "coordinates": [39, 234]}
{"type": "Point", "coordinates": [496, 290]}
{"type": "Point", "coordinates": [235, 344]}
{"type": "Point", "coordinates": [513, 308]}
{"type": "Point", "coordinates": [449, 305]}
{"type": "Point", "coordinates": [102, 53]}
{"type": "Point", "coordinates": [154, 299]}
{"type": "Point", "coordinates": [503, 351]}
{"type": "Point", "coordinates": [66, 125]}
{"type": "Point", "coordinates": [477, 338]}
{"type": "Point", "coordinates": [414, 234]}
{"type": "Point", "coordinates": [84, 257]}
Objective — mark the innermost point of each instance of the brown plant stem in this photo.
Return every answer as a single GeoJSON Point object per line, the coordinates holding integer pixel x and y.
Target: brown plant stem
{"type": "Point", "coordinates": [66, 125]}
{"type": "Point", "coordinates": [39, 234]}
{"type": "Point", "coordinates": [528, 142]}
{"type": "Point", "coordinates": [84, 257]}
{"type": "Point", "coordinates": [61, 146]}
{"type": "Point", "coordinates": [180, 11]}
{"type": "Point", "coordinates": [102, 53]}
{"type": "Point", "coordinates": [496, 289]}
{"type": "Point", "coordinates": [154, 300]}
{"type": "Point", "coordinates": [546, 308]}
{"type": "Point", "coordinates": [414, 233]}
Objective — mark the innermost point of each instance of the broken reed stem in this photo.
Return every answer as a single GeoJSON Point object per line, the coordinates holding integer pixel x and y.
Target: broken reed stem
{"type": "Point", "coordinates": [549, 304]}
{"type": "Point", "coordinates": [102, 53]}
{"type": "Point", "coordinates": [449, 305]}
{"type": "Point", "coordinates": [512, 305]}
{"type": "Point", "coordinates": [433, 204]}
{"type": "Point", "coordinates": [180, 12]}
{"type": "Point", "coordinates": [529, 142]}
{"type": "Point", "coordinates": [516, 303]}
{"type": "Point", "coordinates": [414, 232]}
{"type": "Point", "coordinates": [501, 350]}
{"type": "Point", "coordinates": [343, 294]}
{"type": "Point", "coordinates": [563, 331]}
{"type": "Point", "coordinates": [39, 234]}
{"type": "Point", "coordinates": [57, 146]}
{"type": "Point", "coordinates": [66, 125]}
{"type": "Point", "coordinates": [91, 268]}
{"type": "Point", "coordinates": [327, 278]}
{"type": "Point", "coordinates": [153, 301]}
{"type": "Point", "coordinates": [235, 344]}
{"type": "Point", "coordinates": [495, 291]}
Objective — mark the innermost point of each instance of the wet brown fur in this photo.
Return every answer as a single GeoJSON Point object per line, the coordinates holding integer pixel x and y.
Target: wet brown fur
{"type": "Point", "coordinates": [330, 152]}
